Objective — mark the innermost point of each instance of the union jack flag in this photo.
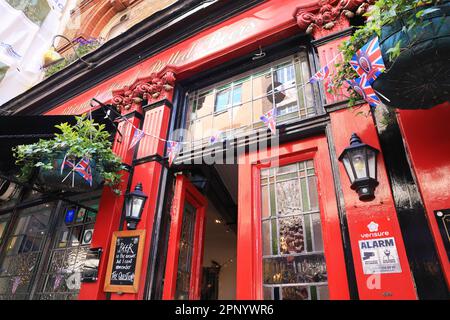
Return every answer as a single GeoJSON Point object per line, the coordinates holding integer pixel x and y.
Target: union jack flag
{"type": "Point", "coordinates": [83, 168]}
{"type": "Point", "coordinates": [66, 163]}
{"type": "Point", "coordinates": [9, 49]}
{"type": "Point", "coordinates": [321, 75]}
{"type": "Point", "coordinates": [368, 60]}
{"type": "Point", "coordinates": [269, 120]}
{"type": "Point", "coordinates": [137, 136]}
{"type": "Point", "coordinates": [216, 137]}
{"type": "Point", "coordinates": [364, 89]}
{"type": "Point", "coordinates": [172, 150]}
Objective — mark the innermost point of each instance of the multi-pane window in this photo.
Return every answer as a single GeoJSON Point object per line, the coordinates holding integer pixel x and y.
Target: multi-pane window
{"type": "Point", "coordinates": [293, 259]}
{"type": "Point", "coordinates": [185, 253]}
{"type": "Point", "coordinates": [61, 279]}
{"type": "Point", "coordinates": [22, 252]}
{"type": "Point", "coordinates": [234, 107]}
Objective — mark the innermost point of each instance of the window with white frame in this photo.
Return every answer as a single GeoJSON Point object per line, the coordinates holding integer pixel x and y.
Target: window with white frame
{"type": "Point", "coordinates": [234, 106]}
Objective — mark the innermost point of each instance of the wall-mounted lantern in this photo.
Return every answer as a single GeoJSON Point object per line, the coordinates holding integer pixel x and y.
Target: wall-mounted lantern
{"type": "Point", "coordinates": [360, 162]}
{"type": "Point", "coordinates": [134, 205]}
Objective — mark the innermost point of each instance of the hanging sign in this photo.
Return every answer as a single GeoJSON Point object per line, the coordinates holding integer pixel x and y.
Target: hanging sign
{"type": "Point", "coordinates": [124, 264]}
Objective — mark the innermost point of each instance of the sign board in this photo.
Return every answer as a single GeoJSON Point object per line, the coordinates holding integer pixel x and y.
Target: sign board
{"type": "Point", "coordinates": [379, 255]}
{"type": "Point", "coordinates": [124, 264]}
{"type": "Point", "coordinates": [443, 221]}
{"type": "Point", "coordinates": [90, 268]}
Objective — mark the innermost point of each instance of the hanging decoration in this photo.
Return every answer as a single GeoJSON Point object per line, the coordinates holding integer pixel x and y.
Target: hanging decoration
{"type": "Point", "coordinates": [173, 147]}
{"type": "Point", "coordinates": [137, 136]}
{"type": "Point", "coordinates": [369, 60]}
{"type": "Point", "coordinates": [362, 86]}
{"type": "Point", "coordinates": [16, 282]}
{"type": "Point", "coordinates": [83, 168]}
{"type": "Point", "coordinates": [216, 137]}
{"type": "Point", "coordinates": [269, 120]}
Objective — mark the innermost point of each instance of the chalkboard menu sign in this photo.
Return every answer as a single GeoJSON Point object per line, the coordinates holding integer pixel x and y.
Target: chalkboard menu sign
{"type": "Point", "coordinates": [124, 264]}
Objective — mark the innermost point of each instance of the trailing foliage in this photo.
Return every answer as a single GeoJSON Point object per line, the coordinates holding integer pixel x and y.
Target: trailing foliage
{"type": "Point", "coordinates": [83, 48]}
{"type": "Point", "coordinates": [84, 139]}
{"type": "Point", "coordinates": [381, 13]}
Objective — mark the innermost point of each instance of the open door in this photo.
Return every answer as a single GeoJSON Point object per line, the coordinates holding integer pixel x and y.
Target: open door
{"type": "Point", "coordinates": [182, 279]}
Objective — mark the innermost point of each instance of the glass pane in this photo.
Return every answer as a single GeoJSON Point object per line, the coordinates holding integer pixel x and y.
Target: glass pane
{"type": "Point", "coordinates": [266, 238]}
{"type": "Point", "coordinates": [205, 104]}
{"type": "Point", "coordinates": [262, 84]}
{"type": "Point", "coordinates": [309, 268]}
{"type": "Point", "coordinates": [242, 116]}
{"type": "Point", "coordinates": [260, 107]}
{"type": "Point", "coordinates": [223, 100]}
{"type": "Point", "coordinates": [237, 95]}
{"type": "Point", "coordinates": [317, 231]}
{"type": "Point", "coordinates": [371, 160]}
{"type": "Point", "coordinates": [313, 196]}
{"type": "Point", "coordinates": [295, 293]}
{"type": "Point", "coordinates": [288, 200]}
{"type": "Point", "coordinates": [359, 162]}
{"type": "Point", "coordinates": [265, 202]}
{"type": "Point", "coordinates": [291, 235]}
{"type": "Point", "coordinates": [185, 254]}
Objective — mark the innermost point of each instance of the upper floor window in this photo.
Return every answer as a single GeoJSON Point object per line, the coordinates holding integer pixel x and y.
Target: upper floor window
{"type": "Point", "coordinates": [234, 106]}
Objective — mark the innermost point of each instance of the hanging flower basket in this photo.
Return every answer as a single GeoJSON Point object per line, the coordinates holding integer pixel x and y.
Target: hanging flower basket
{"type": "Point", "coordinates": [68, 179]}
{"type": "Point", "coordinates": [419, 78]}
{"type": "Point", "coordinates": [78, 159]}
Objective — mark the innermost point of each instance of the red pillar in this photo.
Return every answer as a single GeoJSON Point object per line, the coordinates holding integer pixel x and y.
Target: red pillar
{"type": "Point", "coordinates": [329, 31]}
{"type": "Point", "coordinates": [146, 168]}
{"type": "Point", "coordinates": [109, 213]}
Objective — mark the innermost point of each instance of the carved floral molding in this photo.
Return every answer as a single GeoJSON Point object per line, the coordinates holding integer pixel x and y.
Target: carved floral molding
{"type": "Point", "coordinates": [326, 14]}
{"type": "Point", "coordinates": [151, 89]}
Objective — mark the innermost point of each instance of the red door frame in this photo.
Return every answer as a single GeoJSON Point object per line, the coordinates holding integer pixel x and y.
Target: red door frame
{"type": "Point", "coordinates": [249, 251]}
{"type": "Point", "coordinates": [185, 191]}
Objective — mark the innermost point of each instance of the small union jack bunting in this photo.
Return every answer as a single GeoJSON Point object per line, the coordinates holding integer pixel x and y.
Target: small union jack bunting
{"type": "Point", "coordinates": [362, 86]}
{"type": "Point", "coordinates": [172, 151]}
{"type": "Point", "coordinates": [322, 75]}
{"type": "Point", "coordinates": [137, 136]}
{"type": "Point", "coordinates": [83, 168]}
{"type": "Point", "coordinates": [270, 121]}
{"type": "Point", "coordinates": [216, 137]}
{"type": "Point", "coordinates": [368, 60]}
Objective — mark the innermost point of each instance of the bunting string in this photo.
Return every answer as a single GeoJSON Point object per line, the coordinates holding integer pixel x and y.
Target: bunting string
{"type": "Point", "coordinates": [269, 118]}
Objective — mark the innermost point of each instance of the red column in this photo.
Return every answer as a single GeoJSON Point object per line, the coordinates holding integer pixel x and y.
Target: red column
{"type": "Point", "coordinates": [157, 90]}
{"type": "Point", "coordinates": [109, 213]}
{"type": "Point", "coordinates": [329, 31]}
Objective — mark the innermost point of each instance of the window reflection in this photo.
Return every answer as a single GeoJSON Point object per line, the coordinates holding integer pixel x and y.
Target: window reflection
{"type": "Point", "coordinates": [235, 106]}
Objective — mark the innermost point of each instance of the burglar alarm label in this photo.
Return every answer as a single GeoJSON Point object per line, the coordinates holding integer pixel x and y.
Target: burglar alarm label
{"type": "Point", "coordinates": [379, 256]}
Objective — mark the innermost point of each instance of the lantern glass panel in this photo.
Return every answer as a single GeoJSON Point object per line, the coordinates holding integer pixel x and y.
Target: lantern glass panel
{"type": "Point", "coordinates": [358, 160]}
{"type": "Point", "coordinates": [372, 162]}
{"type": "Point", "coordinates": [137, 204]}
{"type": "Point", "coordinates": [128, 207]}
{"type": "Point", "coordinates": [348, 168]}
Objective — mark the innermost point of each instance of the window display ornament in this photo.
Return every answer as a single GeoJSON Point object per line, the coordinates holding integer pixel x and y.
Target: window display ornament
{"type": "Point", "coordinates": [134, 205]}
{"type": "Point", "coordinates": [360, 163]}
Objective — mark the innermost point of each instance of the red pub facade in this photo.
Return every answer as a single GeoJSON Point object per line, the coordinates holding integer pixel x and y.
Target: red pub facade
{"type": "Point", "coordinates": [281, 220]}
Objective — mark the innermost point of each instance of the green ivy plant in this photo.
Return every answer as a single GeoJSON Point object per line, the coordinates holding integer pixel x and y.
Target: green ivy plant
{"type": "Point", "coordinates": [382, 12]}
{"type": "Point", "coordinates": [83, 139]}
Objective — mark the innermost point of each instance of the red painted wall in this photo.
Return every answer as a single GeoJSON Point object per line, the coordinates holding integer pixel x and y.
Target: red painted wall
{"type": "Point", "coordinates": [381, 210]}
{"type": "Point", "coordinates": [427, 138]}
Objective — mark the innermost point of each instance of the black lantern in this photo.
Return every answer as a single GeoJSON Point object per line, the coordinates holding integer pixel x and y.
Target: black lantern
{"type": "Point", "coordinates": [360, 162]}
{"type": "Point", "coordinates": [134, 204]}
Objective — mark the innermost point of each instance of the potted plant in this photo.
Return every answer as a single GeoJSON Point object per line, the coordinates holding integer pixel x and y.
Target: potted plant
{"type": "Point", "coordinates": [79, 158]}
{"type": "Point", "coordinates": [414, 38]}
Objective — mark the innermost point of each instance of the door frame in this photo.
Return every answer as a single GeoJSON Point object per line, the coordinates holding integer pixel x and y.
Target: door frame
{"type": "Point", "coordinates": [249, 249]}
{"type": "Point", "coordinates": [185, 191]}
